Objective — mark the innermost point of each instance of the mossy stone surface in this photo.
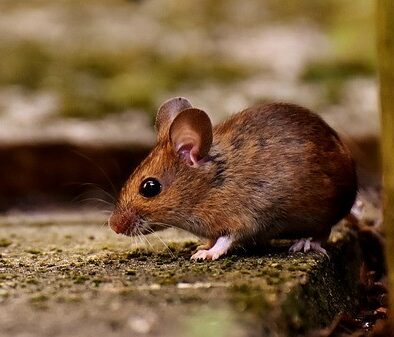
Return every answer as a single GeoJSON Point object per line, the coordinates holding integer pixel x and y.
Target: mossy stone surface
{"type": "Point", "coordinates": [69, 278]}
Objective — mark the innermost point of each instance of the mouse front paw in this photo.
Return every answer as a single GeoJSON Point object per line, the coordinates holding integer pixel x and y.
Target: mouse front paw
{"type": "Point", "coordinates": [221, 247]}
{"type": "Point", "coordinates": [205, 254]}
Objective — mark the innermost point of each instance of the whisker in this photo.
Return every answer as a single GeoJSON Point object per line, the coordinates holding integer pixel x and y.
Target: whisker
{"type": "Point", "coordinates": [92, 201]}
{"type": "Point", "coordinates": [147, 240]}
{"type": "Point", "coordinates": [98, 167]}
{"type": "Point", "coordinates": [99, 188]}
{"type": "Point", "coordinates": [135, 243]}
{"type": "Point", "coordinates": [106, 193]}
{"type": "Point", "coordinates": [162, 224]}
{"type": "Point", "coordinates": [90, 195]}
{"type": "Point", "coordinates": [107, 203]}
{"type": "Point", "coordinates": [138, 236]}
{"type": "Point", "coordinates": [104, 224]}
{"type": "Point", "coordinates": [151, 231]}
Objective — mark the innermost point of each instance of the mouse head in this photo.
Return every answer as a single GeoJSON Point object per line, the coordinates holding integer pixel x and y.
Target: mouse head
{"type": "Point", "coordinates": [166, 186]}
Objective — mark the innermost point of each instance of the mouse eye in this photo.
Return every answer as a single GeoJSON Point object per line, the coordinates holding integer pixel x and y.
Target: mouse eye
{"type": "Point", "coordinates": [150, 187]}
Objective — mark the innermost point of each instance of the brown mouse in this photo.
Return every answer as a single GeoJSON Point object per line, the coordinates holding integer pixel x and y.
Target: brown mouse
{"type": "Point", "coordinates": [275, 170]}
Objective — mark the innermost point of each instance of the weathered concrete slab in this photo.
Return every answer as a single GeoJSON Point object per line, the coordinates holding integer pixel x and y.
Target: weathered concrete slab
{"type": "Point", "coordinates": [74, 277]}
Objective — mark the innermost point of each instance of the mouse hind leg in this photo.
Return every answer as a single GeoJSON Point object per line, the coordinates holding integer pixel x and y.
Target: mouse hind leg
{"type": "Point", "coordinates": [310, 244]}
{"type": "Point", "coordinates": [307, 245]}
{"type": "Point", "coordinates": [313, 244]}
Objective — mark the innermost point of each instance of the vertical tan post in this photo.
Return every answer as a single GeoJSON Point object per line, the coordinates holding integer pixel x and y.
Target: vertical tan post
{"type": "Point", "coordinates": [385, 30]}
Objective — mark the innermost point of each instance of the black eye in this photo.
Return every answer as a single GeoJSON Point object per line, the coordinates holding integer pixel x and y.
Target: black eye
{"type": "Point", "coordinates": [150, 187]}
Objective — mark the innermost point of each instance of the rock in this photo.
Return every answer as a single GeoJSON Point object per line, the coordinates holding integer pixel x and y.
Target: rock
{"type": "Point", "coordinates": [81, 286]}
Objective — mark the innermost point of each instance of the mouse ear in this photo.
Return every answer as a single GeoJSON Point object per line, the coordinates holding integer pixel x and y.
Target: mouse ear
{"type": "Point", "coordinates": [191, 135]}
{"type": "Point", "coordinates": [167, 113]}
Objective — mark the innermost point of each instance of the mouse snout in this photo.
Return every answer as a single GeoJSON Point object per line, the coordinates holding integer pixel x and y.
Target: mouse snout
{"type": "Point", "coordinates": [122, 222]}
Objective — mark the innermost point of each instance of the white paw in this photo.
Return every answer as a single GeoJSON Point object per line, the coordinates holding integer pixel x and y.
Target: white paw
{"type": "Point", "coordinates": [205, 254]}
{"type": "Point", "coordinates": [221, 247]}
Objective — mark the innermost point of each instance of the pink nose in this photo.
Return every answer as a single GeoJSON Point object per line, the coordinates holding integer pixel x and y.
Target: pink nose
{"type": "Point", "coordinates": [120, 222]}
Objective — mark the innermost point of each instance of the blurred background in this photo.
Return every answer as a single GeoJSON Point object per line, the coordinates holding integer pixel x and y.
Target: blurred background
{"type": "Point", "coordinates": [80, 82]}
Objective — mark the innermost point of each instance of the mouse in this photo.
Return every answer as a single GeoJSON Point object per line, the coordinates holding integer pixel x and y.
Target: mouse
{"type": "Point", "coordinates": [274, 170]}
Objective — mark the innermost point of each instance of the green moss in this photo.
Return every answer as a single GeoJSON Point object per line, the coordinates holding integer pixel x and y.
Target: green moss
{"type": "Point", "coordinates": [4, 293]}
{"type": "Point", "coordinates": [337, 70]}
{"type": "Point", "coordinates": [33, 251]}
{"type": "Point", "coordinates": [249, 298]}
{"type": "Point", "coordinates": [130, 272]}
{"type": "Point", "coordinates": [32, 280]}
{"type": "Point", "coordinates": [5, 243]}
{"type": "Point", "coordinates": [38, 298]}
{"type": "Point", "coordinates": [92, 82]}
{"type": "Point", "coordinates": [69, 299]}
{"type": "Point", "coordinates": [332, 74]}
{"type": "Point", "coordinates": [136, 253]}
{"type": "Point", "coordinates": [268, 285]}
{"type": "Point", "coordinates": [80, 279]}
{"type": "Point", "coordinates": [134, 89]}
{"type": "Point", "coordinates": [352, 30]}
{"type": "Point", "coordinates": [7, 276]}
{"type": "Point", "coordinates": [24, 63]}
{"type": "Point", "coordinates": [218, 322]}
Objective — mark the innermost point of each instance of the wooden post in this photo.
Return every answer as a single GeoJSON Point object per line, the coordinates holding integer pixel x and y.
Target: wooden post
{"type": "Point", "coordinates": [385, 30]}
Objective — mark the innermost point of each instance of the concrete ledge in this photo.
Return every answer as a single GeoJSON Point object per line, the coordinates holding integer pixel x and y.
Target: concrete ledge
{"type": "Point", "coordinates": [72, 278]}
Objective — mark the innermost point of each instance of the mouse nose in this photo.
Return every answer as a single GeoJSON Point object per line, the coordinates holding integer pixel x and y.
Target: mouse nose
{"type": "Point", "coordinates": [120, 222]}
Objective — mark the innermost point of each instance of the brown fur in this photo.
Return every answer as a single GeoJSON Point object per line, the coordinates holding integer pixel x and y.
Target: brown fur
{"type": "Point", "coordinates": [273, 170]}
